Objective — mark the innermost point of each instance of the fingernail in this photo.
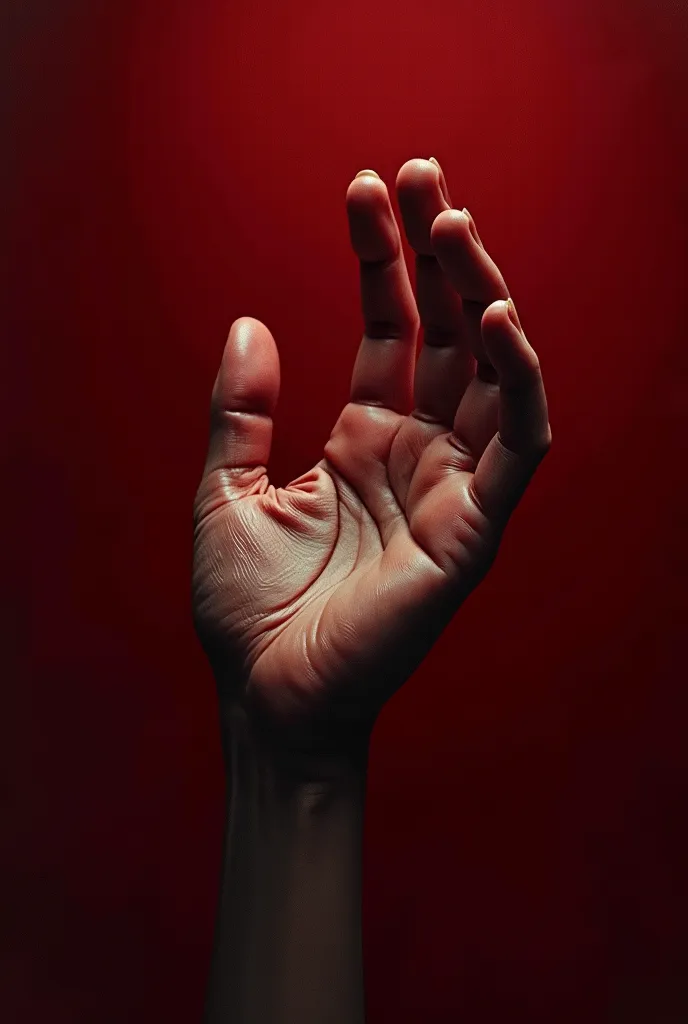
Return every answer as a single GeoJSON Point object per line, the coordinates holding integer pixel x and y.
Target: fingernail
{"type": "Point", "coordinates": [513, 315]}
{"type": "Point", "coordinates": [367, 171]}
{"type": "Point", "coordinates": [442, 182]}
{"type": "Point", "coordinates": [435, 163]}
{"type": "Point", "coordinates": [473, 228]}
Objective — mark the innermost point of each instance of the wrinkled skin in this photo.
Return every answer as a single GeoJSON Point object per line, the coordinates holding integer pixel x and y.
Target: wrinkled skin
{"type": "Point", "coordinates": [315, 602]}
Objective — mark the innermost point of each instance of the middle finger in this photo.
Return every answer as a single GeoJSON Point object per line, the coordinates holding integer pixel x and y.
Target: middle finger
{"type": "Point", "coordinates": [383, 370]}
{"type": "Point", "coordinates": [445, 364]}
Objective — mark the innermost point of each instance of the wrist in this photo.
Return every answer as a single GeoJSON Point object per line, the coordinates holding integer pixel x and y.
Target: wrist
{"type": "Point", "coordinates": [288, 933]}
{"type": "Point", "coordinates": [287, 761]}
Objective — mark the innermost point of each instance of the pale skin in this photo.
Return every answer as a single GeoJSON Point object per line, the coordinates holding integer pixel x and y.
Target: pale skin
{"type": "Point", "coordinates": [316, 601]}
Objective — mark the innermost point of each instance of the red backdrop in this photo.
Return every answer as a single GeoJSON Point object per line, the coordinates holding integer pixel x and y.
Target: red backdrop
{"type": "Point", "coordinates": [523, 855]}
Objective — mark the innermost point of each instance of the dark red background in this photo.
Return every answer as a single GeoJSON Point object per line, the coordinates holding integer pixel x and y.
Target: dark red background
{"type": "Point", "coordinates": [524, 855]}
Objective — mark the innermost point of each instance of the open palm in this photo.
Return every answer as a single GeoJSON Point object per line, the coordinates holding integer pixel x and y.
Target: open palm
{"type": "Point", "coordinates": [314, 602]}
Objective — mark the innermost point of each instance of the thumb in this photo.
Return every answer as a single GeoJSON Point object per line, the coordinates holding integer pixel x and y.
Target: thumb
{"type": "Point", "coordinates": [243, 401]}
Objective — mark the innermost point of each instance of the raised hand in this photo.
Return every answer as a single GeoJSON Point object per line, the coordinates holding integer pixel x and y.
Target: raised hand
{"type": "Point", "coordinates": [314, 602]}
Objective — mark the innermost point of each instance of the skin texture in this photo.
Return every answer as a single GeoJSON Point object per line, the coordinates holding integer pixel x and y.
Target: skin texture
{"type": "Point", "coordinates": [315, 602]}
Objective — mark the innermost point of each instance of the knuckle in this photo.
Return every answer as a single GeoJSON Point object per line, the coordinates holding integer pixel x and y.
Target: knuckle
{"type": "Point", "coordinates": [542, 444]}
{"type": "Point", "coordinates": [531, 364]}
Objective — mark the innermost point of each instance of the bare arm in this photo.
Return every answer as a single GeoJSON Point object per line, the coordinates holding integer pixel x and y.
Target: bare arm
{"type": "Point", "coordinates": [288, 930]}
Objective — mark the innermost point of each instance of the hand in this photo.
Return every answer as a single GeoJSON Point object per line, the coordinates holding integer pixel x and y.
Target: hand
{"type": "Point", "coordinates": [314, 602]}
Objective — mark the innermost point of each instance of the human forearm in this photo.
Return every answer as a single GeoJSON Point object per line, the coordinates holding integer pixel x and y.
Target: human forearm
{"type": "Point", "coordinates": [288, 930]}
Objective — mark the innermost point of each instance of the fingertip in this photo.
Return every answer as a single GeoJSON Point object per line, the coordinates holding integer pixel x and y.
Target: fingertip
{"type": "Point", "coordinates": [506, 344]}
{"type": "Point", "coordinates": [415, 171]}
{"type": "Point", "coordinates": [442, 181]}
{"type": "Point", "coordinates": [501, 314]}
{"type": "Point", "coordinates": [448, 226]}
{"type": "Point", "coordinates": [244, 327]}
{"type": "Point", "coordinates": [366, 195]}
{"type": "Point", "coordinates": [497, 315]}
{"type": "Point", "coordinates": [366, 191]}
{"type": "Point", "coordinates": [437, 177]}
{"type": "Point", "coordinates": [248, 378]}
{"type": "Point", "coordinates": [245, 331]}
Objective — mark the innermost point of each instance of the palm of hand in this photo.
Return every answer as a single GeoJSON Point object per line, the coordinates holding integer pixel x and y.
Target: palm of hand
{"type": "Point", "coordinates": [316, 601]}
